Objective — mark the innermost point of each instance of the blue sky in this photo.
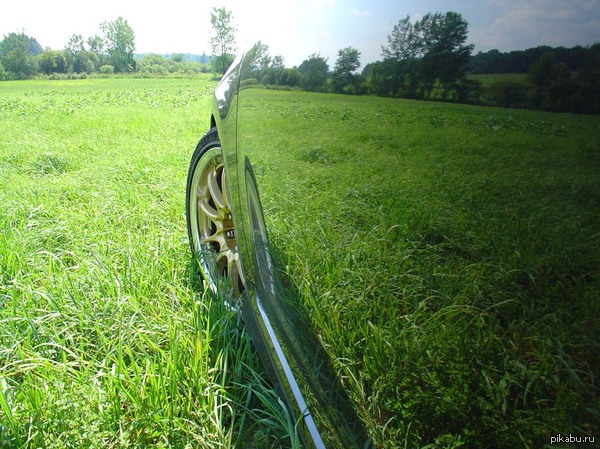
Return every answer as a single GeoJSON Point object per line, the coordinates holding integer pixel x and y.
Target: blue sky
{"type": "Point", "coordinates": [298, 28]}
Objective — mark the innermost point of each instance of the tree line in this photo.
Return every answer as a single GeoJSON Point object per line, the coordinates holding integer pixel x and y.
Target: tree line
{"type": "Point", "coordinates": [110, 51]}
{"type": "Point", "coordinates": [423, 59]}
{"type": "Point", "coordinates": [521, 61]}
{"type": "Point", "coordinates": [428, 59]}
{"type": "Point", "coordinates": [554, 85]}
{"type": "Point", "coordinates": [420, 56]}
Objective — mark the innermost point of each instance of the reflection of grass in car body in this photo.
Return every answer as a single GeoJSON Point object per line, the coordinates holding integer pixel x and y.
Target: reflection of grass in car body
{"type": "Point", "coordinates": [435, 250]}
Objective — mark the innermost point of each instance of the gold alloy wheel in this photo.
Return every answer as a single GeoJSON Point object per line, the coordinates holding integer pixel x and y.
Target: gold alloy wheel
{"type": "Point", "coordinates": [210, 219]}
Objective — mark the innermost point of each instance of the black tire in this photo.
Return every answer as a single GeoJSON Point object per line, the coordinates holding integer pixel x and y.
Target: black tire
{"type": "Point", "coordinates": [210, 221]}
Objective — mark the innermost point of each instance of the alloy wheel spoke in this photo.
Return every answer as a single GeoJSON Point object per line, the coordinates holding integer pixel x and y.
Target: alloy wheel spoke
{"type": "Point", "coordinates": [210, 211]}
{"type": "Point", "coordinates": [215, 190]}
{"type": "Point", "coordinates": [215, 232]}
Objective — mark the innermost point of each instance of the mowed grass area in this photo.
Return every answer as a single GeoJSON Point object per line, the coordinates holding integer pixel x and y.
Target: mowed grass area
{"type": "Point", "coordinates": [450, 266]}
{"type": "Point", "coordinates": [449, 257]}
{"type": "Point", "coordinates": [106, 338]}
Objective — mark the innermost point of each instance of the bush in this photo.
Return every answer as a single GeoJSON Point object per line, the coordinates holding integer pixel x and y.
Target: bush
{"type": "Point", "coordinates": [467, 91]}
{"type": "Point", "coordinates": [277, 87]}
{"type": "Point", "coordinates": [3, 74]}
{"type": "Point", "coordinates": [67, 76]}
{"type": "Point", "coordinates": [509, 94]}
{"type": "Point", "coordinates": [107, 69]}
{"type": "Point", "coordinates": [248, 82]}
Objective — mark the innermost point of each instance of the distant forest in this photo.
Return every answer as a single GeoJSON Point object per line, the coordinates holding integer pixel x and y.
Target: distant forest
{"type": "Point", "coordinates": [493, 61]}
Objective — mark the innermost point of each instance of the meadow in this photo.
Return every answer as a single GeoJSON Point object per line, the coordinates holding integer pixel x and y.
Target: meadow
{"type": "Point", "coordinates": [447, 256]}
{"type": "Point", "coordinates": [454, 283]}
{"type": "Point", "coordinates": [106, 338]}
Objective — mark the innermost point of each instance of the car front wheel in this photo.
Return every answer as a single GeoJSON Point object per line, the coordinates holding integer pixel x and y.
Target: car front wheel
{"type": "Point", "coordinates": [210, 220]}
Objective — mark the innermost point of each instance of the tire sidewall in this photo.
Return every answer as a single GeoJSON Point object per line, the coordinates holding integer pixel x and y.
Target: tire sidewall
{"type": "Point", "coordinates": [209, 141]}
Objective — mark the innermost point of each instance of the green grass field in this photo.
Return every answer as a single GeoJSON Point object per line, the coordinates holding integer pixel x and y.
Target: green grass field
{"type": "Point", "coordinates": [459, 300]}
{"type": "Point", "coordinates": [104, 339]}
{"type": "Point", "coordinates": [449, 257]}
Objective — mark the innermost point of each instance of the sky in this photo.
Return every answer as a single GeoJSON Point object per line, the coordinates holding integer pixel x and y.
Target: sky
{"type": "Point", "coordinates": [299, 28]}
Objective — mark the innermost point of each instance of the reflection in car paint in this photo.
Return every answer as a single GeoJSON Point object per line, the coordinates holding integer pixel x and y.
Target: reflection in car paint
{"type": "Point", "coordinates": [292, 353]}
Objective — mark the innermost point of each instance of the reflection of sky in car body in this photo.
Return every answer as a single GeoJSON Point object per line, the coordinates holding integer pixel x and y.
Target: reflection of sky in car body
{"type": "Point", "coordinates": [298, 28]}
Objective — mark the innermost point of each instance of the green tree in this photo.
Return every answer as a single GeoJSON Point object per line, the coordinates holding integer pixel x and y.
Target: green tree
{"type": "Point", "coordinates": [86, 62]}
{"type": "Point", "coordinates": [275, 72]}
{"type": "Point", "coordinates": [97, 45]}
{"type": "Point", "coordinates": [277, 63]}
{"type": "Point", "coordinates": [343, 79]}
{"type": "Point", "coordinates": [75, 44]}
{"type": "Point", "coordinates": [427, 51]}
{"type": "Point", "coordinates": [540, 73]}
{"type": "Point", "coordinates": [382, 77]}
{"type": "Point", "coordinates": [120, 44]}
{"type": "Point", "coordinates": [17, 56]}
{"type": "Point", "coordinates": [442, 38]}
{"type": "Point", "coordinates": [222, 42]}
{"type": "Point", "coordinates": [554, 85]}
{"type": "Point", "coordinates": [34, 47]}
{"type": "Point", "coordinates": [507, 93]}
{"type": "Point", "coordinates": [52, 61]}
{"type": "Point", "coordinates": [153, 63]}
{"type": "Point", "coordinates": [403, 42]}
{"type": "Point", "coordinates": [79, 59]}
{"type": "Point", "coordinates": [313, 73]}
{"type": "Point", "coordinates": [259, 60]}
{"type": "Point", "coordinates": [399, 71]}
{"type": "Point", "coordinates": [290, 77]}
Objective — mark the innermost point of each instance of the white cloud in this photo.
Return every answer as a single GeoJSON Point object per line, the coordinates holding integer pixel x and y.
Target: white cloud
{"type": "Point", "coordinates": [520, 25]}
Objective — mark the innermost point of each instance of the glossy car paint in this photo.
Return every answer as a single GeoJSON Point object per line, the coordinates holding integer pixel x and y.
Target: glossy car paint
{"type": "Point", "coordinates": [295, 359]}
